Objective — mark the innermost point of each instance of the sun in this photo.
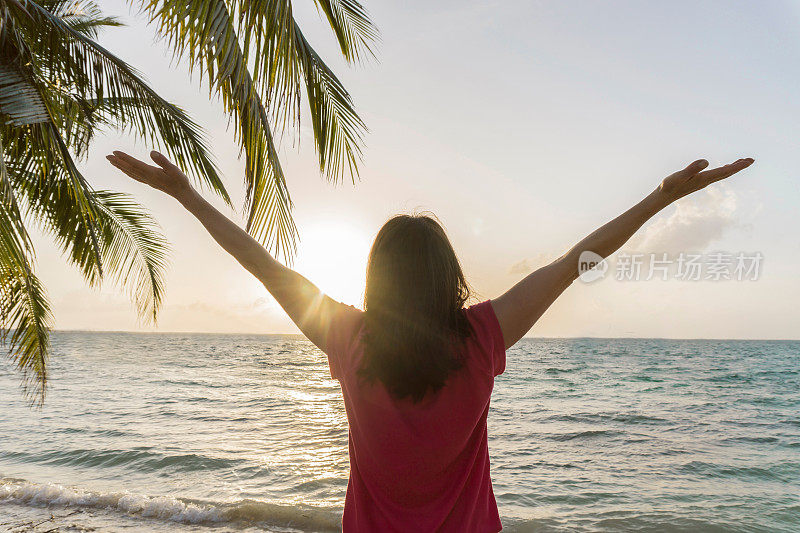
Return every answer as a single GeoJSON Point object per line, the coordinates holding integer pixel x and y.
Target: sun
{"type": "Point", "coordinates": [333, 256]}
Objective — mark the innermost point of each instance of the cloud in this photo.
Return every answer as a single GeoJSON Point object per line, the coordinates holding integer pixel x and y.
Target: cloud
{"type": "Point", "coordinates": [693, 226]}
{"type": "Point", "coordinates": [696, 222]}
{"type": "Point", "coordinates": [106, 310]}
{"type": "Point", "coordinates": [228, 318]}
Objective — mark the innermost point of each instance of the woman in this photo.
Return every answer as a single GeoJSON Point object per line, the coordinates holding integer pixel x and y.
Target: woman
{"type": "Point", "coordinates": [415, 367]}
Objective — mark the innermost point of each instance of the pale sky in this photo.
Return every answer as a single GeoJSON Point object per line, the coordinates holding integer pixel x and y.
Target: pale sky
{"type": "Point", "coordinates": [523, 126]}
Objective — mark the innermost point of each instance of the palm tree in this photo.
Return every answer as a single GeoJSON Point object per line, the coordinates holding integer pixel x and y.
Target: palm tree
{"type": "Point", "coordinates": [58, 87]}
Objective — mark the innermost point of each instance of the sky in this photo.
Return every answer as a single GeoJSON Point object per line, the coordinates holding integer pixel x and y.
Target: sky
{"type": "Point", "coordinates": [523, 126]}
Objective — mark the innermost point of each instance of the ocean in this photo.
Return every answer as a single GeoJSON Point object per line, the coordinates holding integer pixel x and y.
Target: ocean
{"type": "Point", "coordinates": [197, 432]}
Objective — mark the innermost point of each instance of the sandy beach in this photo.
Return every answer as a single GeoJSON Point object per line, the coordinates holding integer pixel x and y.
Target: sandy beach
{"type": "Point", "coordinates": [62, 519]}
{"type": "Point", "coordinates": [56, 519]}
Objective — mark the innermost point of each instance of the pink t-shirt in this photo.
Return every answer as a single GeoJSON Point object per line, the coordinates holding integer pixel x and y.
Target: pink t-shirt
{"type": "Point", "coordinates": [419, 466]}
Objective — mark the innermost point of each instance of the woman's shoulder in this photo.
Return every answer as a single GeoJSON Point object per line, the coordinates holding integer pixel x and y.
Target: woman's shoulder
{"type": "Point", "coordinates": [486, 335]}
{"type": "Point", "coordinates": [482, 315]}
{"type": "Point", "coordinates": [346, 325]}
{"type": "Point", "coordinates": [343, 339]}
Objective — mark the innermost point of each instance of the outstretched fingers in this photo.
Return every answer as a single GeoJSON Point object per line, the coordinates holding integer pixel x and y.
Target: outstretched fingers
{"type": "Point", "coordinates": [124, 166]}
{"type": "Point", "coordinates": [162, 161]}
{"type": "Point", "coordinates": [696, 167]}
{"type": "Point", "coordinates": [683, 176]}
{"type": "Point", "coordinates": [136, 169]}
{"type": "Point", "coordinates": [726, 171]}
{"type": "Point", "coordinates": [134, 163]}
{"type": "Point", "coordinates": [166, 177]}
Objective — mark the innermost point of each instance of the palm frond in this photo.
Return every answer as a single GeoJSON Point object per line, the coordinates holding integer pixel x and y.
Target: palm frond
{"type": "Point", "coordinates": [46, 192]}
{"type": "Point", "coordinates": [20, 102]}
{"type": "Point", "coordinates": [269, 46]}
{"type": "Point", "coordinates": [46, 138]}
{"type": "Point", "coordinates": [62, 56]}
{"type": "Point", "coordinates": [291, 61]}
{"type": "Point", "coordinates": [281, 61]}
{"type": "Point", "coordinates": [131, 248]}
{"type": "Point", "coordinates": [338, 130]}
{"type": "Point", "coordinates": [40, 142]}
{"type": "Point", "coordinates": [78, 120]}
{"type": "Point", "coordinates": [14, 223]}
{"type": "Point", "coordinates": [352, 25]}
{"type": "Point", "coordinates": [83, 16]}
{"type": "Point", "coordinates": [203, 32]}
{"type": "Point", "coordinates": [134, 250]}
{"type": "Point", "coordinates": [25, 316]}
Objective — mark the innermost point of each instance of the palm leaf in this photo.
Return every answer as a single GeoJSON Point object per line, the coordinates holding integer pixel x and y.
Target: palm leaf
{"type": "Point", "coordinates": [35, 140]}
{"type": "Point", "coordinates": [61, 56]}
{"type": "Point", "coordinates": [269, 45]}
{"type": "Point", "coordinates": [134, 250]}
{"type": "Point", "coordinates": [204, 33]}
{"type": "Point", "coordinates": [290, 60]}
{"type": "Point", "coordinates": [25, 316]}
{"type": "Point", "coordinates": [281, 61]}
{"type": "Point", "coordinates": [337, 127]}
{"type": "Point", "coordinates": [20, 102]}
{"type": "Point", "coordinates": [351, 24]}
{"type": "Point", "coordinates": [83, 16]}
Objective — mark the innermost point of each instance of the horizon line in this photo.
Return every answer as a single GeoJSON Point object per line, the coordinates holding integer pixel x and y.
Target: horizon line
{"type": "Point", "coordinates": [231, 333]}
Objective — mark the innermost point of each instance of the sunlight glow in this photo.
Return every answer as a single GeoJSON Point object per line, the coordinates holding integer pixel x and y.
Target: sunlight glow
{"type": "Point", "coordinates": [334, 257]}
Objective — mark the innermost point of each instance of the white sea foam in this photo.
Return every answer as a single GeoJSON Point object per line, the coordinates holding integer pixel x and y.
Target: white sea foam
{"type": "Point", "coordinates": [165, 508]}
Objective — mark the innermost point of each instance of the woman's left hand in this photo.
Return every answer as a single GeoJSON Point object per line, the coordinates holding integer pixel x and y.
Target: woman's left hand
{"type": "Point", "coordinates": [693, 178]}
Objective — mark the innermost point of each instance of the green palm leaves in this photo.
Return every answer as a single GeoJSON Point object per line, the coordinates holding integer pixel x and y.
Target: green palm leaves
{"type": "Point", "coordinates": [58, 87]}
{"type": "Point", "coordinates": [258, 62]}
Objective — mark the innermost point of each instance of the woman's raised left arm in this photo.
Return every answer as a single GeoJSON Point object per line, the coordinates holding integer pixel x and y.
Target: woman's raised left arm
{"type": "Point", "coordinates": [305, 304]}
{"type": "Point", "coordinates": [522, 305]}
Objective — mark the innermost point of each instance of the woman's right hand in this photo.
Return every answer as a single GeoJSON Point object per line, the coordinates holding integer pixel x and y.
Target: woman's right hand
{"type": "Point", "coordinates": [693, 178]}
{"type": "Point", "coordinates": [165, 177]}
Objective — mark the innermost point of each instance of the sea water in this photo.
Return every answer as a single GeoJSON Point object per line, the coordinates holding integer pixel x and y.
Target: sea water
{"type": "Point", "coordinates": [174, 432]}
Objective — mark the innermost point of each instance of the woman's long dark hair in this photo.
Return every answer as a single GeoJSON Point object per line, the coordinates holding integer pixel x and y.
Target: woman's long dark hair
{"type": "Point", "coordinates": [414, 323]}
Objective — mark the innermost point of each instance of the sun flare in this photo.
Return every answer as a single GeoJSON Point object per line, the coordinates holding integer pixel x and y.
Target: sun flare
{"type": "Point", "coordinates": [334, 257]}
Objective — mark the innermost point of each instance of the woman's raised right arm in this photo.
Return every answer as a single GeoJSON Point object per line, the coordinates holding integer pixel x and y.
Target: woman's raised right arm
{"type": "Point", "coordinates": [520, 307]}
{"type": "Point", "coordinates": [310, 309]}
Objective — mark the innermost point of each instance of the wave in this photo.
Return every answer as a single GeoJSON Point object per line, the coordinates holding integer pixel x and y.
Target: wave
{"type": "Point", "coordinates": [596, 418]}
{"type": "Point", "coordinates": [783, 472]}
{"type": "Point", "coordinates": [142, 458]}
{"type": "Point", "coordinates": [584, 435]}
{"type": "Point", "coordinates": [168, 508]}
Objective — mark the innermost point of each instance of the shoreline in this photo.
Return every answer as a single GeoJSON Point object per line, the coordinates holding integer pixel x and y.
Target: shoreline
{"type": "Point", "coordinates": [30, 518]}
{"type": "Point", "coordinates": [26, 518]}
{"type": "Point", "coordinates": [29, 506]}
